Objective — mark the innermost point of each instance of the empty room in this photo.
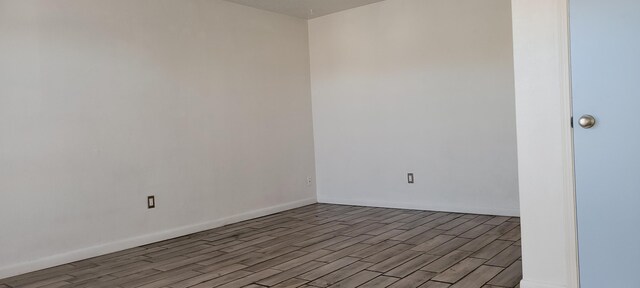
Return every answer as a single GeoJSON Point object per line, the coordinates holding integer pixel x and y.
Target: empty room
{"type": "Point", "coordinates": [318, 143]}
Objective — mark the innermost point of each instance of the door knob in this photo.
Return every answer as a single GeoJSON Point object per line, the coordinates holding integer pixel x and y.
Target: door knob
{"type": "Point", "coordinates": [587, 121]}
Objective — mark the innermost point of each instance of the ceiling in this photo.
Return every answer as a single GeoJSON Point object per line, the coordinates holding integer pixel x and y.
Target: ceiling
{"type": "Point", "coordinates": [305, 9]}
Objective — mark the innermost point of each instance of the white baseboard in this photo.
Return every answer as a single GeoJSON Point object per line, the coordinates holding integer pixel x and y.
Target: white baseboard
{"type": "Point", "coordinates": [423, 206]}
{"type": "Point", "coordinates": [533, 284]}
{"type": "Point", "coordinates": [94, 251]}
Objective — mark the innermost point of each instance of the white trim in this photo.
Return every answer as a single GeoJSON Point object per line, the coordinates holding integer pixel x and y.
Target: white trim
{"type": "Point", "coordinates": [543, 89]}
{"type": "Point", "coordinates": [568, 156]}
{"type": "Point", "coordinates": [530, 284]}
{"type": "Point", "coordinates": [423, 206]}
{"type": "Point", "coordinates": [94, 251]}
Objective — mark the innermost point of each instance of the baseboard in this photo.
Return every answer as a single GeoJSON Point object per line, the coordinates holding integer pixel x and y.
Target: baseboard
{"type": "Point", "coordinates": [85, 253]}
{"type": "Point", "coordinates": [533, 284]}
{"type": "Point", "coordinates": [423, 206]}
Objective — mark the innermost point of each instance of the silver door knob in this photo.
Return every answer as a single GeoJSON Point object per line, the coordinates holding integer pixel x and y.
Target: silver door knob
{"type": "Point", "coordinates": [587, 121]}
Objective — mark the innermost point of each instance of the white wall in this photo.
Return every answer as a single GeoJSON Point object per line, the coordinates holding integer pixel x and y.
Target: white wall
{"type": "Point", "coordinates": [203, 103]}
{"type": "Point", "coordinates": [547, 200]}
{"type": "Point", "coordinates": [422, 86]}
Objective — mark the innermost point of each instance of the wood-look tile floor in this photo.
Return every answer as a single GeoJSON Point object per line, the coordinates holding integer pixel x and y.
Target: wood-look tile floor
{"type": "Point", "coordinates": [320, 245]}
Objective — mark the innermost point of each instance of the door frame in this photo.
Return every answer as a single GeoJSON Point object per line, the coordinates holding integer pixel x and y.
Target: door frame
{"type": "Point", "coordinates": [545, 143]}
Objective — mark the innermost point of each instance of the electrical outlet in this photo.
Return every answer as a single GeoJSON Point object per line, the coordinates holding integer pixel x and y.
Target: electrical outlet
{"type": "Point", "coordinates": [151, 202]}
{"type": "Point", "coordinates": [309, 181]}
{"type": "Point", "coordinates": [410, 178]}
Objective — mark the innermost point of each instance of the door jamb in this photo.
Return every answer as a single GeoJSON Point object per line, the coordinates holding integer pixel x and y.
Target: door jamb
{"type": "Point", "coordinates": [568, 151]}
{"type": "Point", "coordinates": [542, 28]}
